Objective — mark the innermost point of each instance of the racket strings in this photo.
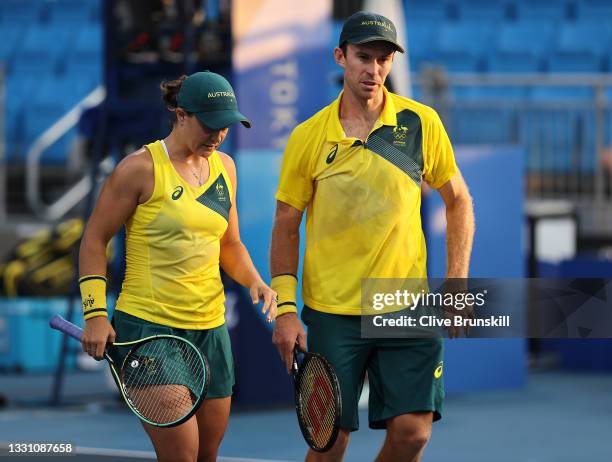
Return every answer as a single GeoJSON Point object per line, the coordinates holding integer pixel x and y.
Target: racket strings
{"type": "Point", "coordinates": [318, 406]}
{"type": "Point", "coordinates": [163, 379]}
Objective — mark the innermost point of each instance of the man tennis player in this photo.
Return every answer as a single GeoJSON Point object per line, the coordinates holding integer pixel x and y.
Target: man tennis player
{"type": "Point", "coordinates": [357, 167]}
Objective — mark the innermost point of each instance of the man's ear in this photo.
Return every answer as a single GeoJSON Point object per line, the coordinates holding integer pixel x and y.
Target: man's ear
{"type": "Point", "coordinates": [339, 57]}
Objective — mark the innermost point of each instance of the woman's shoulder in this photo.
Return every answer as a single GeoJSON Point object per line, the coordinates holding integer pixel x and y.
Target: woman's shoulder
{"type": "Point", "coordinates": [139, 161]}
{"type": "Point", "coordinates": [227, 160]}
{"type": "Point", "coordinates": [135, 166]}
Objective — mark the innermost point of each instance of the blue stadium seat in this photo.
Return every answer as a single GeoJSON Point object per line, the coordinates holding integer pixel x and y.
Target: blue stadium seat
{"type": "Point", "coordinates": [561, 94]}
{"type": "Point", "coordinates": [542, 10]}
{"type": "Point", "coordinates": [461, 45]}
{"type": "Point", "coordinates": [513, 94]}
{"type": "Point", "coordinates": [470, 36]}
{"type": "Point", "coordinates": [41, 50]}
{"type": "Point", "coordinates": [420, 36]}
{"type": "Point", "coordinates": [481, 125]}
{"type": "Point", "coordinates": [23, 12]}
{"type": "Point", "coordinates": [580, 47]}
{"type": "Point", "coordinates": [86, 56]}
{"type": "Point", "coordinates": [69, 89]}
{"type": "Point", "coordinates": [477, 117]}
{"type": "Point", "coordinates": [514, 62]}
{"type": "Point", "coordinates": [72, 12]}
{"type": "Point", "coordinates": [458, 61]}
{"type": "Point", "coordinates": [420, 39]}
{"type": "Point", "coordinates": [594, 9]}
{"type": "Point", "coordinates": [483, 10]}
{"type": "Point", "coordinates": [428, 10]}
{"type": "Point", "coordinates": [525, 36]}
{"type": "Point", "coordinates": [559, 141]}
{"type": "Point", "coordinates": [575, 61]}
{"type": "Point", "coordinates": [50, 100]}
{"type": "Point", "coordinates": [13, 129]}
{"type": "Point", "coordinates": [518, 47]}
{"type": "Point", "coordinates": [11, 38]}
{"type": "Point", "coordinates": [19, 89]}
{"type": "Point", "coordinates": [39, 117]}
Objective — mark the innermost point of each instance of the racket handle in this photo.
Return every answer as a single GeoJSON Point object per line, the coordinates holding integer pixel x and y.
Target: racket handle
{"type": "Point", "coordinates": [59, 323]}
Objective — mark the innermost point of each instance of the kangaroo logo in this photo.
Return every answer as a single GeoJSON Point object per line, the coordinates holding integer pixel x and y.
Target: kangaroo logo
{"type": "Point", "coordinates": [399, 135]}
{"type": "Point", "coordinates": [220, 192]}
{"type": "Point", "coordinates": [178, 192]}
{"type": "Point", "coordinates": [400, 132]}
{"type": "Point", "coordinates": [332, 154]}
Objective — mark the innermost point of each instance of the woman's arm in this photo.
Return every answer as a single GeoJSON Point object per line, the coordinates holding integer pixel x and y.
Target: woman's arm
{"type": "Point", "coordinates": [235, 259]}
{"type": "Point", "coordinates": [130, 183]}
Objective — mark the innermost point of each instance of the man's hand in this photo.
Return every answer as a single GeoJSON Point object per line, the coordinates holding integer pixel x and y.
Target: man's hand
{"type": "Point", "coordinates": [98, 332]}
{"type": "Point", "coordinates": [288, 331]}
{"type": "Point", "coordinates": [466, 312]}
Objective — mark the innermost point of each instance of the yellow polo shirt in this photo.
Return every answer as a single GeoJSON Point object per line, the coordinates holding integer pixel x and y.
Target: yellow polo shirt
{"type": "Point", "coordinates": [363, 198]}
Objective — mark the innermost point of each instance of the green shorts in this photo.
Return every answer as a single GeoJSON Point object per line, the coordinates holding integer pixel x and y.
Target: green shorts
{"type": "Point", "coordinates": [404, 374]}
{"type": "Point", "coordinates": [214, 344]}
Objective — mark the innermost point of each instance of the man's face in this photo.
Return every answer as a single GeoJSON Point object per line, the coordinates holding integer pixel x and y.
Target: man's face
{"type": "Point", "coordinates": [366, 67]}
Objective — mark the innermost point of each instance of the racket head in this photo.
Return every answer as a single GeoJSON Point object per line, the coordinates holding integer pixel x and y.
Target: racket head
{"type": "Point", "coordinates": [318, 402]}
{"type": "Point", "coordinates": [163, 379]}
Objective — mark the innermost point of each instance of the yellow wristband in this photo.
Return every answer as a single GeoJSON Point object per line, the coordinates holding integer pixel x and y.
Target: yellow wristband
{"type": "Point", "coordinates": [93, 296]}
{"type": "Point", "coordinates": [285, 286]}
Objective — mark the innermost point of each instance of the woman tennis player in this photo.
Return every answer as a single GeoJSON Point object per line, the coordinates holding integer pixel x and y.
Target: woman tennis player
{"type": "Point", "coordinates": [177, 200]}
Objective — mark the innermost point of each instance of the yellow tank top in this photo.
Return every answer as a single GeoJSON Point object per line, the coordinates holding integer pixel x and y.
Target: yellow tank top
{"type": "Point", "coordinates": [172, 248]}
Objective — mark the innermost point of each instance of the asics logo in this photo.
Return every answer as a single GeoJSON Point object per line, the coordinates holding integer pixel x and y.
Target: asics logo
{"type": "Point", "coordinates": [178, 192]}
{"type": "Point", "coordinates": [439, 370]}
{"type": "Point", "coordinates": [332, 154]}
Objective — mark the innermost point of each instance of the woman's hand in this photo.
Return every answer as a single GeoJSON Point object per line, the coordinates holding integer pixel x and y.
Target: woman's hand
{"type": "Point", "coordinates": [97, 334]}
{"type": "Point", "coordinates": [260, 292]}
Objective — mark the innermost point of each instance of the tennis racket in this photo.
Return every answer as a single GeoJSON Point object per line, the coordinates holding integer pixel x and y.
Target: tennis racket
{"type": "Point", "coordinates": [317, 399]}
{"type": "Point", "coordinates": [162, 378]}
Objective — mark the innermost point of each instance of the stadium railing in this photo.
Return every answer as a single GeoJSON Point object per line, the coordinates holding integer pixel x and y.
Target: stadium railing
{"type": "Point", "coordinates": [563, 121]}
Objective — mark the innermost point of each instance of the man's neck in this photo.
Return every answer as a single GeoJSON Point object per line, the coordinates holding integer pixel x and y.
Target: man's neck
{"type": "Point", "coordinates": [367, 110]}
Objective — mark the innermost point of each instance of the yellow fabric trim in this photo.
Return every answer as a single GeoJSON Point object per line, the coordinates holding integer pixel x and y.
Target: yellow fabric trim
{"type": "Point", "coordinates": [93, 296]}
{"type": "Point", "coordinates": [388, 116]}
{"type": "Point", "coordinates": [285, 286]}
{"type": "Point", "coordinates": [293, 202]}
{"type": "Point", "coordinates": [335, 132]}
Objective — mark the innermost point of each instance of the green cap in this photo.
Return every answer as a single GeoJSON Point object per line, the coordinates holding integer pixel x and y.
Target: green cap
{"type": "Point", "coordinates": [211, 98]}
{"type": "Point", "coordinates": [364, 27]}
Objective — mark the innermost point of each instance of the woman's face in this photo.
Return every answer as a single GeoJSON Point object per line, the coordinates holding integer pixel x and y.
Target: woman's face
{"type": "Point", "coordinates": [198, 137]}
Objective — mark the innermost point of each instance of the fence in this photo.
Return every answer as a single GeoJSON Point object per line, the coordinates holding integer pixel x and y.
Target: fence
{"type": "Point", "coordinates": [564, 122]}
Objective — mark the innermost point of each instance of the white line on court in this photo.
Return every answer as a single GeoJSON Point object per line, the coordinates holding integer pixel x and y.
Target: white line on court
{"type": "Point", "coordinates": [151, 455]}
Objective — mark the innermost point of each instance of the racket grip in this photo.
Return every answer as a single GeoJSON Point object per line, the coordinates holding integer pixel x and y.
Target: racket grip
{"type": "Point", "coordinates": [59, 323]}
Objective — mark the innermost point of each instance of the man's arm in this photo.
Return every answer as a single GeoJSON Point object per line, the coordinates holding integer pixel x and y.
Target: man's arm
{"type": "Point", "coordinates": [459, 226]}
{"type": "Point", "coordinates": [284, 257]}
{"type": "Point", "coordinates": [459, 237]}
